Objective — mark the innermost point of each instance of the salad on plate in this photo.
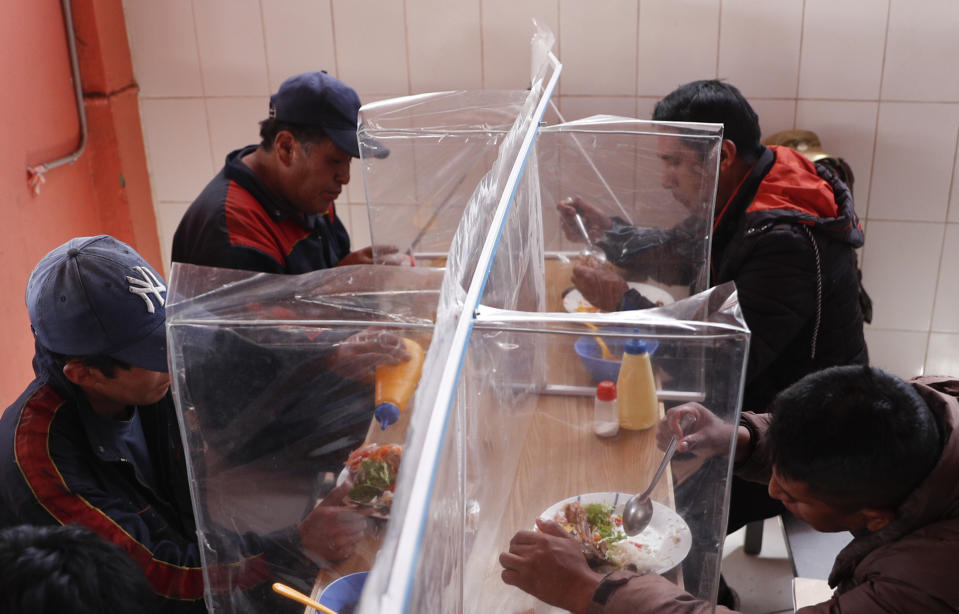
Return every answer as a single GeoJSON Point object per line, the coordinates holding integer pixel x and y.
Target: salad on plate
{"type": "Point", "coordinates": [596, 521]}
{"type": "Point", "coordinates": [371, 472]}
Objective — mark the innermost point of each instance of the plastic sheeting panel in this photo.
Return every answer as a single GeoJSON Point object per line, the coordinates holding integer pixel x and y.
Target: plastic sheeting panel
{"type": "Point", "coordinates": [271, 404]}
{"type": "Point", "coordinates": [273, 395]}
{"type": "Point", "coordinates": [647, 192]}
{"type": "Point", "coordinates": [512, 447]}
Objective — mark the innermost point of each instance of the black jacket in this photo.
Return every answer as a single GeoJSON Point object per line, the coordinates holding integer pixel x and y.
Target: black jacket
{"type": "Point", "coordinates": [787, 238]}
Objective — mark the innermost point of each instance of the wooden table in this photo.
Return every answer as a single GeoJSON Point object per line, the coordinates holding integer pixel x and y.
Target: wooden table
{"type": "Point", "coordinates": [365, 554]}
{"type": "Point", "coordinates": [560, 457]}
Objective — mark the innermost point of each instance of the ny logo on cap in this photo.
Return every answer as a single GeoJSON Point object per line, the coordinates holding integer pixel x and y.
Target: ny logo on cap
{"type": "Point", "coordinates": [146, 286]}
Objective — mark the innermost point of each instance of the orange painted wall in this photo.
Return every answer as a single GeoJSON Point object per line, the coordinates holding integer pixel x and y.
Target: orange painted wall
{"type": "Point", "coordinates": [106, 191]}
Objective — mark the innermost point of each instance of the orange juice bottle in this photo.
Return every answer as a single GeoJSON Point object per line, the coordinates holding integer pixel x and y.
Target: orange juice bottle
{"type": "Point", "coordinates": [638, 406]}
{"type": "Point", "coordinates": [394, 384]}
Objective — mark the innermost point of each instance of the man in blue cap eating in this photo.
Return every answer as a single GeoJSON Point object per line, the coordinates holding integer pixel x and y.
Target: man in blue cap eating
{"type": "Point", "coordinates": [94, 439]}
{"type": "Point", "coordinates": [270, 209]}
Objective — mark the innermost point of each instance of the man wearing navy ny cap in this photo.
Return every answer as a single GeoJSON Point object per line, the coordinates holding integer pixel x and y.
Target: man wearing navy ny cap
{"type": "Point", "coordinates": [270, 208]}
{"type": "Point", "coordinates": [94, 439]}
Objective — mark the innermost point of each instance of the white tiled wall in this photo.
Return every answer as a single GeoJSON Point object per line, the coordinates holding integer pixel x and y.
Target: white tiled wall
{"type": "Point", "coordinates": [759, 46]}
{"type": "Point", "coordinates": [874, 78]}
{"type": "Point", "coordinates": [687, 33]}
{"type": "Point", "coordinates": [842, 47]}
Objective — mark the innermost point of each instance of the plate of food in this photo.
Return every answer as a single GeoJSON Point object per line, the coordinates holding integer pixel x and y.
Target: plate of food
{"type": "Point", "coordinates": [596, 520]}
{"type": "Point", "coordinates": [371, 472]}
{"type": "Point", "coordinates": [573, 300]}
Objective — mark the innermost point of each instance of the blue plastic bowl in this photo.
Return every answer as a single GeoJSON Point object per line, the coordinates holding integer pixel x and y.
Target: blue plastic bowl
{"type": "Point", "coordinates": [343, 592]}
{"type": "Point", "coordinates": [590, 355]}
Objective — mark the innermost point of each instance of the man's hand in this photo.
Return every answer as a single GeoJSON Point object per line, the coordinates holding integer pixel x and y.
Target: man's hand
{"type": "Point", "coordinates": [594, 220]}
{"type": "Point", "coordinates": [332, 530]}
{"type": "Point", "coordinates": [705, 435]}
{"type": "Point", "coordinates": [599, 284]}
{"type": "Point", "coordinates": [358, 356]}
{"type": "Point", "coordinates": [385, 254]}
{"type": "Point", "coordinates": [550, 566]}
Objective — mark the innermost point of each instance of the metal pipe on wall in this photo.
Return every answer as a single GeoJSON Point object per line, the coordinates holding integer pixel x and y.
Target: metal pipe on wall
{"type": "Point", "coordinates": [35, 174]}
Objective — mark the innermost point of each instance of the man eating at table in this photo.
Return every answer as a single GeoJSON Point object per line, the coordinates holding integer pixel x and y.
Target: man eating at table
{"type": "Point", "coordinates": [94, 440]}
{"type": "Point", "coordinates": [271, 208]}
{"type": "Point", "coordinates": [784, 230]}
{"type": "Point", "coordinates": [845, 449]}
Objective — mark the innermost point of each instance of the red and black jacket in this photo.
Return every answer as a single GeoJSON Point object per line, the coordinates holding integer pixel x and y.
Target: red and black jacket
{"type": "Point", "coordinates": [237, 223]}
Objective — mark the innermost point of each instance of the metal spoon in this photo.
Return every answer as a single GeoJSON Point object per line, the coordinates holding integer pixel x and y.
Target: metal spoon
{"type": "Point", "coordinates": [591, 249]}
{"type": "Point", "coordinates": [638, 511]}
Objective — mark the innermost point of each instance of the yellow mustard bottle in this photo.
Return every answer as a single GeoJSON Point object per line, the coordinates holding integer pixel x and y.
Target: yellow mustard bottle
{"type": "Point", "coordinates": [394, 384]}
{"type": "Point", "coordinates": [638, 406]}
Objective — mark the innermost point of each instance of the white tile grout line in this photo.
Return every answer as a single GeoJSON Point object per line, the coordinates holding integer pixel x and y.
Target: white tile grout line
{"type": "Point", "coordinates": [802, 38]}
{"type": "Point", "coordinates": [942, 251]}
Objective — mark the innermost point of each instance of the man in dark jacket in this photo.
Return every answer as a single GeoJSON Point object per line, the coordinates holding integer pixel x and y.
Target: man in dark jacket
{"type": "Point", "coordinates": [94, 440]}
{"type": "Point", "coordinates": [784, 230]}
{"type": "Point", "coordinates": [270, 208]}
{"type": "Point", "coordinates": [818, 452]}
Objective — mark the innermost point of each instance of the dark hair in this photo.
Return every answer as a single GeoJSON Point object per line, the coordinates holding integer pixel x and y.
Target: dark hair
{"type": "Point", "coordinates": [304, 134]}
{"type": "Point", "coordinates": [715, 102]}
{"type": "Point", "coordinates": [105, 364]}
{"type": "Point", "coordinates": [857, 436]}
{"type": "Point", "coordinates": [68, 570]}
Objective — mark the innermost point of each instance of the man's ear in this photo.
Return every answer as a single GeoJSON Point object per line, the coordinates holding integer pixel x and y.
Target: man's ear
{"type": "Point", "coordinates": [877, 519]}
{"type": "Point", "coordinates": [727, 155]}
{"type": "Point", "coordinates": [284, 146]}
{"type": "Point", "coordinates": [81, 375]}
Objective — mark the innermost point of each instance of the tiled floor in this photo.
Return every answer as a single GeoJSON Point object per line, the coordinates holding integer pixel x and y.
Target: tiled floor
{"type": "Point", "coordinates": [763, 582]}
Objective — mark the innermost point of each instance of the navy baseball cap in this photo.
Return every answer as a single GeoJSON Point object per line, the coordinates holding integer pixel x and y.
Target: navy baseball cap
{"type": "Point", "coordinates": [317, 99]}
{"type": "Point", "coordinates": [95, 296]}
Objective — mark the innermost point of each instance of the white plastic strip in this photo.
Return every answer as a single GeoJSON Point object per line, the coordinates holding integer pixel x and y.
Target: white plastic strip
{"type": "Point", "coordinates": [398, 590]}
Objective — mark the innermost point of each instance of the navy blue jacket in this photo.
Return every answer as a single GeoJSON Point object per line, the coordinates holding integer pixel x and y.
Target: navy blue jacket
{"type": "Point", "coordinates": [54, 471]}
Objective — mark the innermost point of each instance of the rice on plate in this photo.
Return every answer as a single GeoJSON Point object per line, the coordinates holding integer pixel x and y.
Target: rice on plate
{"type": "Point", "coordinates": [595, 519]}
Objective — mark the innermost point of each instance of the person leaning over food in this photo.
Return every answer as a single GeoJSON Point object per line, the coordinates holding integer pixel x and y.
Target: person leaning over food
{"type": "Point", "coordinates": [94, 439]}
{"type": "Point", "coordinates": [270, 208]}
{"type": "Point", "coordinates": [819, 451]}
{"type": "Point", "coordinates": [784, 230]}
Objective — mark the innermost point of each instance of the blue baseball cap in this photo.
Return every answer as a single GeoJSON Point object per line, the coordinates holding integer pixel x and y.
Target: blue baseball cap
{"type": "Point", "coordinates": [317, 99]}
{"type": "Point", "coordinates": [96, 296]}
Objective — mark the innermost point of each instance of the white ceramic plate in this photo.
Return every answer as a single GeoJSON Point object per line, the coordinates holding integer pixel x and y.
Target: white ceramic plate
{"type": "Point", "coordinates": [573, 300]}
{"type": "Point", "coordinates": [667, 537]}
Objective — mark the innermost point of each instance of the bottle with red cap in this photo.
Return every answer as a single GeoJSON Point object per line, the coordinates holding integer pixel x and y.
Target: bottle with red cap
{"type": "Point", "coordinates": [605, 410]}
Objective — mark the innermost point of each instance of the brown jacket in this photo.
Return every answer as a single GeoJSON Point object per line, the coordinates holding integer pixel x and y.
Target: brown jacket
{"type": "Point", "coordinates": [909, 566]}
